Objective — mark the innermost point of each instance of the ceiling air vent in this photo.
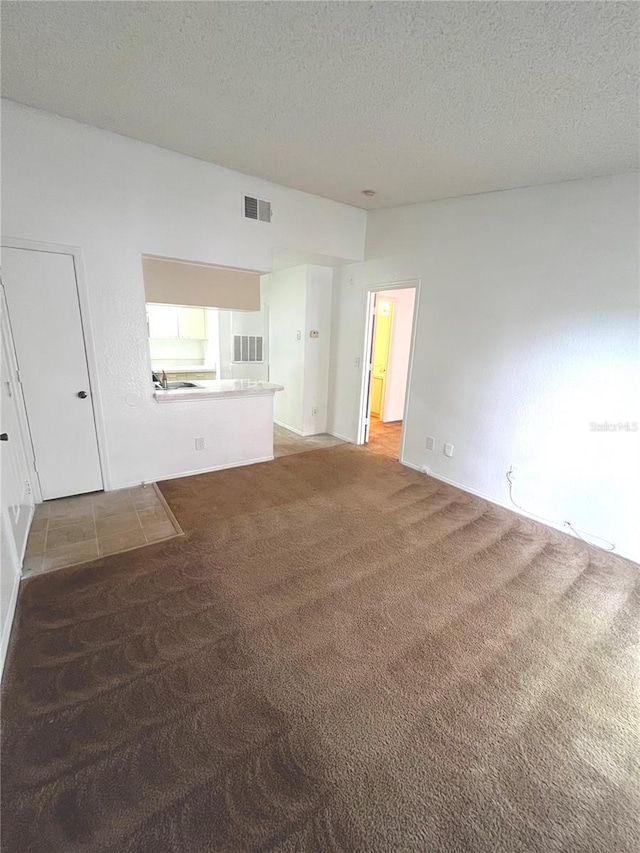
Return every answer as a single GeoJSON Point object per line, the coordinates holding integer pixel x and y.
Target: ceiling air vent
{"type": "Point", "coordinates": [257, 208]}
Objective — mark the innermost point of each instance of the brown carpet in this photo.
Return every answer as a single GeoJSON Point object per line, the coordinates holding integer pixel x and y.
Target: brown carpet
{"type": "Point", "coordinates": [341, 655]}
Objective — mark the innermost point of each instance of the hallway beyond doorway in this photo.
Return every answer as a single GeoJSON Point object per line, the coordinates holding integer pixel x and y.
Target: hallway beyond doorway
{"type": "Point", "coordinates": [390, 320]}
{"type": "Point", "coordinates": [384, 438]}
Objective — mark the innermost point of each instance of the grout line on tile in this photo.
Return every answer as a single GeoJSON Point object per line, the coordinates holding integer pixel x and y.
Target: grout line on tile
{"type": "Point", "coordinates": [144, 532]}
{"type": "Point", "coordinates": [174, 535]}
{"type": "Point", "coordinates": [170, 517]}
{"type": "Point", "coordinates": [57, 569]}
{"type": "Point", "coordinates": [61, 549]}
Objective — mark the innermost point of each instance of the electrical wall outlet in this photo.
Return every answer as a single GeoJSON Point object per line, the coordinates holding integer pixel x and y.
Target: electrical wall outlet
{"type": "Point", "coordinates": [448, 450]}
{"type": "Point", "coordinates": [431, 443]}
{"type": "Point", "coordinates": [199, 443]}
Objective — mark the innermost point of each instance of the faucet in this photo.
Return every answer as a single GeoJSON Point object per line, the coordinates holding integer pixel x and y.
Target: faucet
{"type": "Point", "coordinates": [164, 381]}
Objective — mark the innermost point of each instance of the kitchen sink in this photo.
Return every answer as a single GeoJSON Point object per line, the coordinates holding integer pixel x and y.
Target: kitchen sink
{"type": "Point", "coordinates": [170, 386]}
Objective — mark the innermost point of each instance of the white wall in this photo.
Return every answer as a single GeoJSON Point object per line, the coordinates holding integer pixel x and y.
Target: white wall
{"type": "Point", "coordinates": [527, 333]}
{"type": "Point", "coordinates": [285, 292]}
{"type": "Point", "coordinates": [299, 302]}
{"type": "Point", "coordinates": [399, 352]}
{"type": "Point", "coordinates": [116, 198]}
{"type": "Point", "coordinates": [316, 365]}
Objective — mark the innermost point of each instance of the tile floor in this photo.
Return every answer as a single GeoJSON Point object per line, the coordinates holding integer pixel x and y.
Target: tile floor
{"type": "Point", "coordinates": [286, 442]}
{"type": "Point", "coordinates": [75, 530]}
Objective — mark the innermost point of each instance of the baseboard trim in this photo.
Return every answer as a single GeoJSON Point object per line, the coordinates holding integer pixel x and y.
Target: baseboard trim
{"type": "Point", "coordinates": [11, 612]}
{"type": "Point", "coordinates": [471, 491]}
{"type": "Point", "coordinates": [504, 504]}
{"type": "Point", "coordinates": [478, 494]}
{"type": "Point", "coordinates": [195, 472]}
{"type": "Point", "coordinates": [290, 428]}
{"type": "Point", "coordinates": [216, 468]}
{"type": "Point", "coordinates": [340, 436]}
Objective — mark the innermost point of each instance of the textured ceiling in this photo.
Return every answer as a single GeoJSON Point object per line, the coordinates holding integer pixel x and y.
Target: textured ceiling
{"type": "Point", "coordinates": [416, 100]}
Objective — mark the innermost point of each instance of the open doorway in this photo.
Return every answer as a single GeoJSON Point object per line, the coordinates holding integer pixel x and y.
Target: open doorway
{"type": "Point", "coordinates": [389, 336]}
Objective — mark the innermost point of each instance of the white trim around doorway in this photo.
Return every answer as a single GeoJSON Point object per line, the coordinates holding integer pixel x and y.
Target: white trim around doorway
{"type": "Point", "coordinates": [370, 292]}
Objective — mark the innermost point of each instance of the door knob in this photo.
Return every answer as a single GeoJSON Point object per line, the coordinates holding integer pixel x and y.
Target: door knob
{"type": "Point", "coordinates": [82, 394]}
{"type": "Point", "coordinates": [4, 436]}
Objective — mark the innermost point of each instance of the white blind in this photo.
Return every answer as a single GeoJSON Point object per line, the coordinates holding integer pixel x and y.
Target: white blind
{"type": "Point", "coordinates": [170, 282]}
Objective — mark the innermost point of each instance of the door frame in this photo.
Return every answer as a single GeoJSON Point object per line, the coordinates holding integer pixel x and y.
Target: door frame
{"type": "Point", "coordinates": [365, 382]}
{"type": "Point", "coordinates": [9, 551]}
{"type": "Point", "coordinates": [89, 348]}
{"type": "Point", "coordinates": [21, 409]}
{"type": "Point", "coordinates": [24, 437]}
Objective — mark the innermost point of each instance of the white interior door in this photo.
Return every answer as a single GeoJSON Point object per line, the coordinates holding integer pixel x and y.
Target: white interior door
{"type": "Point", "coordinates": [44, 312]}
{"type": "Point", "coordinates": [371, 333]}
{"type": "Point", "coordinates": [16, 494]}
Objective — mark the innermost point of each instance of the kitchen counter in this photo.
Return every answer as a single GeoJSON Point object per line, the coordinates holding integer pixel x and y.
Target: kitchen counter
{"type": "Point", "coordinates": [217, 389]}
{"type": "Point", "coordinates": [221, 424]}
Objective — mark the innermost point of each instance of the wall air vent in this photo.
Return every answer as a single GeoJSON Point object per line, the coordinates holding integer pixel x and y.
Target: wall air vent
{"type": "Point", "coordinates": [256, 208]}
{"type": "Point", "coordinates": [247, 348]}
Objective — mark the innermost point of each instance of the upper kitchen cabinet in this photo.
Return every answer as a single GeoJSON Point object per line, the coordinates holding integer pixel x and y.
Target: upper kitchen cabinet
{"type": "Point", "coordinates": [192, 324]}
{"type": "Point", "coordinates": [163, 321]}
{"type": "Point", "coordinates": [172, 321]}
